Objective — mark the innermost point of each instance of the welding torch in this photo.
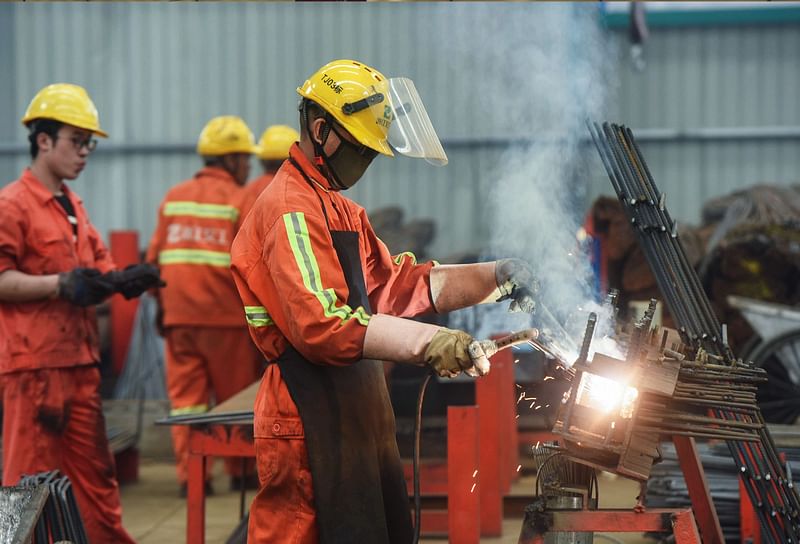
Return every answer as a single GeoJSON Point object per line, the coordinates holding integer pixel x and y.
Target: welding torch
{"type": "Point", "coordinates": [480, 350]}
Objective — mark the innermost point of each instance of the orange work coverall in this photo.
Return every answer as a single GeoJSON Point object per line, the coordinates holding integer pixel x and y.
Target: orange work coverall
{"type": "Point", "coordinates": [284, 309]}
{"type": "Point", "coordinates": [208, 346]}
{"type": "Point", "coordinates": [52, 413]}
{"type": "Point", "coordinates": [251, 191]}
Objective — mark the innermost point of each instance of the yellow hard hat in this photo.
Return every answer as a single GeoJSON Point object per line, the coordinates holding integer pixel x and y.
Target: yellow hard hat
{"type": "Point", "coordinates": [276, 141]}
{"type": "Point", "coordinates": [225, 134]}
{"type": "Point", "coordinates": [66, 103]}
{"type": "Point", "coordinates": [357, 96]}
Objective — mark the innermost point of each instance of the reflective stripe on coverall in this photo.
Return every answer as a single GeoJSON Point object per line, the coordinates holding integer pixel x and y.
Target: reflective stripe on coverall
{"type": "Point", "coordinates": [292, 282]}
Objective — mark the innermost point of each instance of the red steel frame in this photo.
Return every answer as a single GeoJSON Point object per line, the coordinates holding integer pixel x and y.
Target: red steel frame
{"type": "Point", "coordinates": [679, 521]}
{"type": "Point", "coordinates": [461, 521]}
{"type": "Point", "coordinates": [204, 441]}
{"type": "Point", "coordinates": [124, 247]}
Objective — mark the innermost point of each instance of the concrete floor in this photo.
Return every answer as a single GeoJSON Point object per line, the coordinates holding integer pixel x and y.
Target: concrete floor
{"type": "Point", "coordinates": [153, 513]}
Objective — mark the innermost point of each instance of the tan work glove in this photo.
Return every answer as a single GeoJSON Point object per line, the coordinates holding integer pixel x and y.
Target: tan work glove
{"type": "Point", "coordinates": [448, 353]}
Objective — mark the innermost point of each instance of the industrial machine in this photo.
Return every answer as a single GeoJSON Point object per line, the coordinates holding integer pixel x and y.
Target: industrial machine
{"type": "Point", "coordinates": [668, 385]}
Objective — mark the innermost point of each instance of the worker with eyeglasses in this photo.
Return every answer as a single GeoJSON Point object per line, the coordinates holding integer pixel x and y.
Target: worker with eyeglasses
{"type": "Point", "coordinates": [54, 268]}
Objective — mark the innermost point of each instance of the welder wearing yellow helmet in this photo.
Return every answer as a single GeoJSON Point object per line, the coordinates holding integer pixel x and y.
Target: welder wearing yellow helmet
{"type": "Point", "coordinates": [208, 347]}
{"type": "Point", "coordinates": [273, 149]}
{"type": "Point", "coordinates": [326, 302]}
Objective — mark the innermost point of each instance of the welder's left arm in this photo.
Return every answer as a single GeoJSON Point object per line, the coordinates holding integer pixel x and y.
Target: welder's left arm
{"type": "Point", "coordinates": [462, 285]}
{"type": "Point", "coordinates": [396, 284]}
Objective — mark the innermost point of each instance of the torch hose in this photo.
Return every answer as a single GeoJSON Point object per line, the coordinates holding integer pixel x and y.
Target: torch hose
{"type": "Point", "coordinates": [415, 456]}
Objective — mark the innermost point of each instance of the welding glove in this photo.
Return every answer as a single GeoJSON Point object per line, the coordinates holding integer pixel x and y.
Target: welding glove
{"type": "Point", "coordinates": [515, 281]}
{"type": "Point", "coordinates": [135, 279]}
{"type": "Point", "coordinates": [401, 340]}
{"type": "Point", "coordinates": [448, 353]}
{"type": "Point", "coordinates": [84, 286]}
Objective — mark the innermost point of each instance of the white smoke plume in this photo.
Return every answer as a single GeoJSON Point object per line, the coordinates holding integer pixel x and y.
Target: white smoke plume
{"type": "Point", "coordinates": [544, 70]}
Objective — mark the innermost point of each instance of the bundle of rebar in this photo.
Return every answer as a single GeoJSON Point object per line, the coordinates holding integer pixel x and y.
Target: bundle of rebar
{"type": "Point", "coordinates": [756, 458]}
{"type": "Point", "coordinates": [61, 520]}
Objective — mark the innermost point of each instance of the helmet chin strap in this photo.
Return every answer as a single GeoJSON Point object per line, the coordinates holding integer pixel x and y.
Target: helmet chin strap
{"type": "Point", "coordinates": [320, 158]}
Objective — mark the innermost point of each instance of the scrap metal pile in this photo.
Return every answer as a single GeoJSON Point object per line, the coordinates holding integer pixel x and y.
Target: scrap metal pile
{"type": "Point", "coordinates": [684, 383]}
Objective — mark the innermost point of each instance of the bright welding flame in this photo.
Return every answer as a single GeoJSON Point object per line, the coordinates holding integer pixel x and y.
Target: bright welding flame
{"type": "Point", "coordinates": [606, 395]}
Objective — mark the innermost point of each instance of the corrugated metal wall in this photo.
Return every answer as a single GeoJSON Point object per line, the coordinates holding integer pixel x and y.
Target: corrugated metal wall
{"type": "Point", "coordinates": [159, 71]}
{"type": "Point", "coordinates": [720, 77]}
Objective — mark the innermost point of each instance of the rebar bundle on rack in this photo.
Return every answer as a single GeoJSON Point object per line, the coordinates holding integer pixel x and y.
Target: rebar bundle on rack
{"type": "Point", "coordinates": [760, 469]}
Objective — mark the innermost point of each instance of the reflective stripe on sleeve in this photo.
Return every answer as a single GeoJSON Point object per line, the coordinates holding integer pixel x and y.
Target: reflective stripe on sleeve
{"type": "Point", "coordinates": [198, 209]}
{"type": "Point", "coordinates": [399, 258]}
{"type": "Point", "coordinates": [257, 316]}
{"type": "Point", "coordinates": [297, 231]}
{"type": "Point", "coordinates": [195, 256]}
{"type": "Point", "coordinates": [196, 409]}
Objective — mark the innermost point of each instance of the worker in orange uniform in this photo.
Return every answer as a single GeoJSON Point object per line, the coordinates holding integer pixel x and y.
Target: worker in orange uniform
{"type": "Point", "coordinates": [208, 348]}
{"type": "Point", "coordinates": [54, 268]}
{"type": "Point", "coordinates": [273, 149]}
{"type": "Point", "coordinates": [326, 302]}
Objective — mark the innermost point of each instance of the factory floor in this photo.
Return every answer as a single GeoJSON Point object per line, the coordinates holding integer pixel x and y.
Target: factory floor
{"type": "Point", "coordinates": [153, 513]}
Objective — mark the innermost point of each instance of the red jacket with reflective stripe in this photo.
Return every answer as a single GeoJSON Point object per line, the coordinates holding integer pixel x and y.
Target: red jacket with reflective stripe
{"type": "Point", "coordinates": [283, 261]}
{"type": "Point", "coordinates": [191, 245]}
{"type": "Point", "coordinates": [36, 238]}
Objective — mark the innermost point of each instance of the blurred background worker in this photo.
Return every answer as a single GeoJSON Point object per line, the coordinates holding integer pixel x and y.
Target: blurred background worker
{"type": "Point", "coordinates": [207, 344]}
{"type": "Point", "coordinates": [321, 295]}
{"type": "Point", "coordinates": [273, 150]}
{"type": "Point", "coordinates": [54, 268]}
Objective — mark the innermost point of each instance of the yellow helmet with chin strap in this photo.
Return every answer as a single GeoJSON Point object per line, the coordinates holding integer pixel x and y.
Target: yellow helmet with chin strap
{"type": "Point", "coordinates": [276, 141]}
{"type": "Point", "coordinates": [66, 103]}
{"type": "Point", "coordinates": [225, 134]}
{"type": "Point", "coordinates": [357, 96]}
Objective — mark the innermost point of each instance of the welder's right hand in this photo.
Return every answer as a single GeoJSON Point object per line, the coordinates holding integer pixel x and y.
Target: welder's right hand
{"type": "Point", "coordinates": [84, 287]}
{"type": "Point", "coordinates": [448, 352]}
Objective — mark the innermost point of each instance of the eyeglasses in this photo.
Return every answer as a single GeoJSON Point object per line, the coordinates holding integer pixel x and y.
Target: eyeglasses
{"type": "Point", "coordinates": [89, 143]}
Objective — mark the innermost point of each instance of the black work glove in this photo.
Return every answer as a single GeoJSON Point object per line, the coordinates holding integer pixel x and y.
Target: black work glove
{"type": "Point", "coordinates": [516, 282]}
{"type": "Point", "coordinates": [135, 279]}
{"type": "Point", "coordinates": [84, 286]}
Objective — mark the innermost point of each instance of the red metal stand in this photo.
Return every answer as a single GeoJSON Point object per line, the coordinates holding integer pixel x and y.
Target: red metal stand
{"type": "Point", "coordinates": [695, 476]}
{"type": "Point", "coordinates": [460, 474]}
{"type": "Point", "coordinates": [680, 522]}
{"type": "Point", "coordinates": [124, 246]}
{"type": "Point", "coordinates": [218, 441]}
{"type": "Point", "coordinates": [463, 476]}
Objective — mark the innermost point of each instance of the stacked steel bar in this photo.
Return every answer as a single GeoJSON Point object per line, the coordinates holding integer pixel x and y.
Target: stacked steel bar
{"type": "Point", "coordinates": [61, 520]}
{"type": "Point", "coordinates": [777, 503]}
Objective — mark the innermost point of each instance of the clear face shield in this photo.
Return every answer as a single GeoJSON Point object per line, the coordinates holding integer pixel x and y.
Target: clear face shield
{"type": "Point", "coordinates": [411, 132]}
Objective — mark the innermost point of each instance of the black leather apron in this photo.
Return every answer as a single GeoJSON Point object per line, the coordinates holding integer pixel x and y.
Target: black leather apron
{"type": "Point", "coordinates": [360, 493]}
